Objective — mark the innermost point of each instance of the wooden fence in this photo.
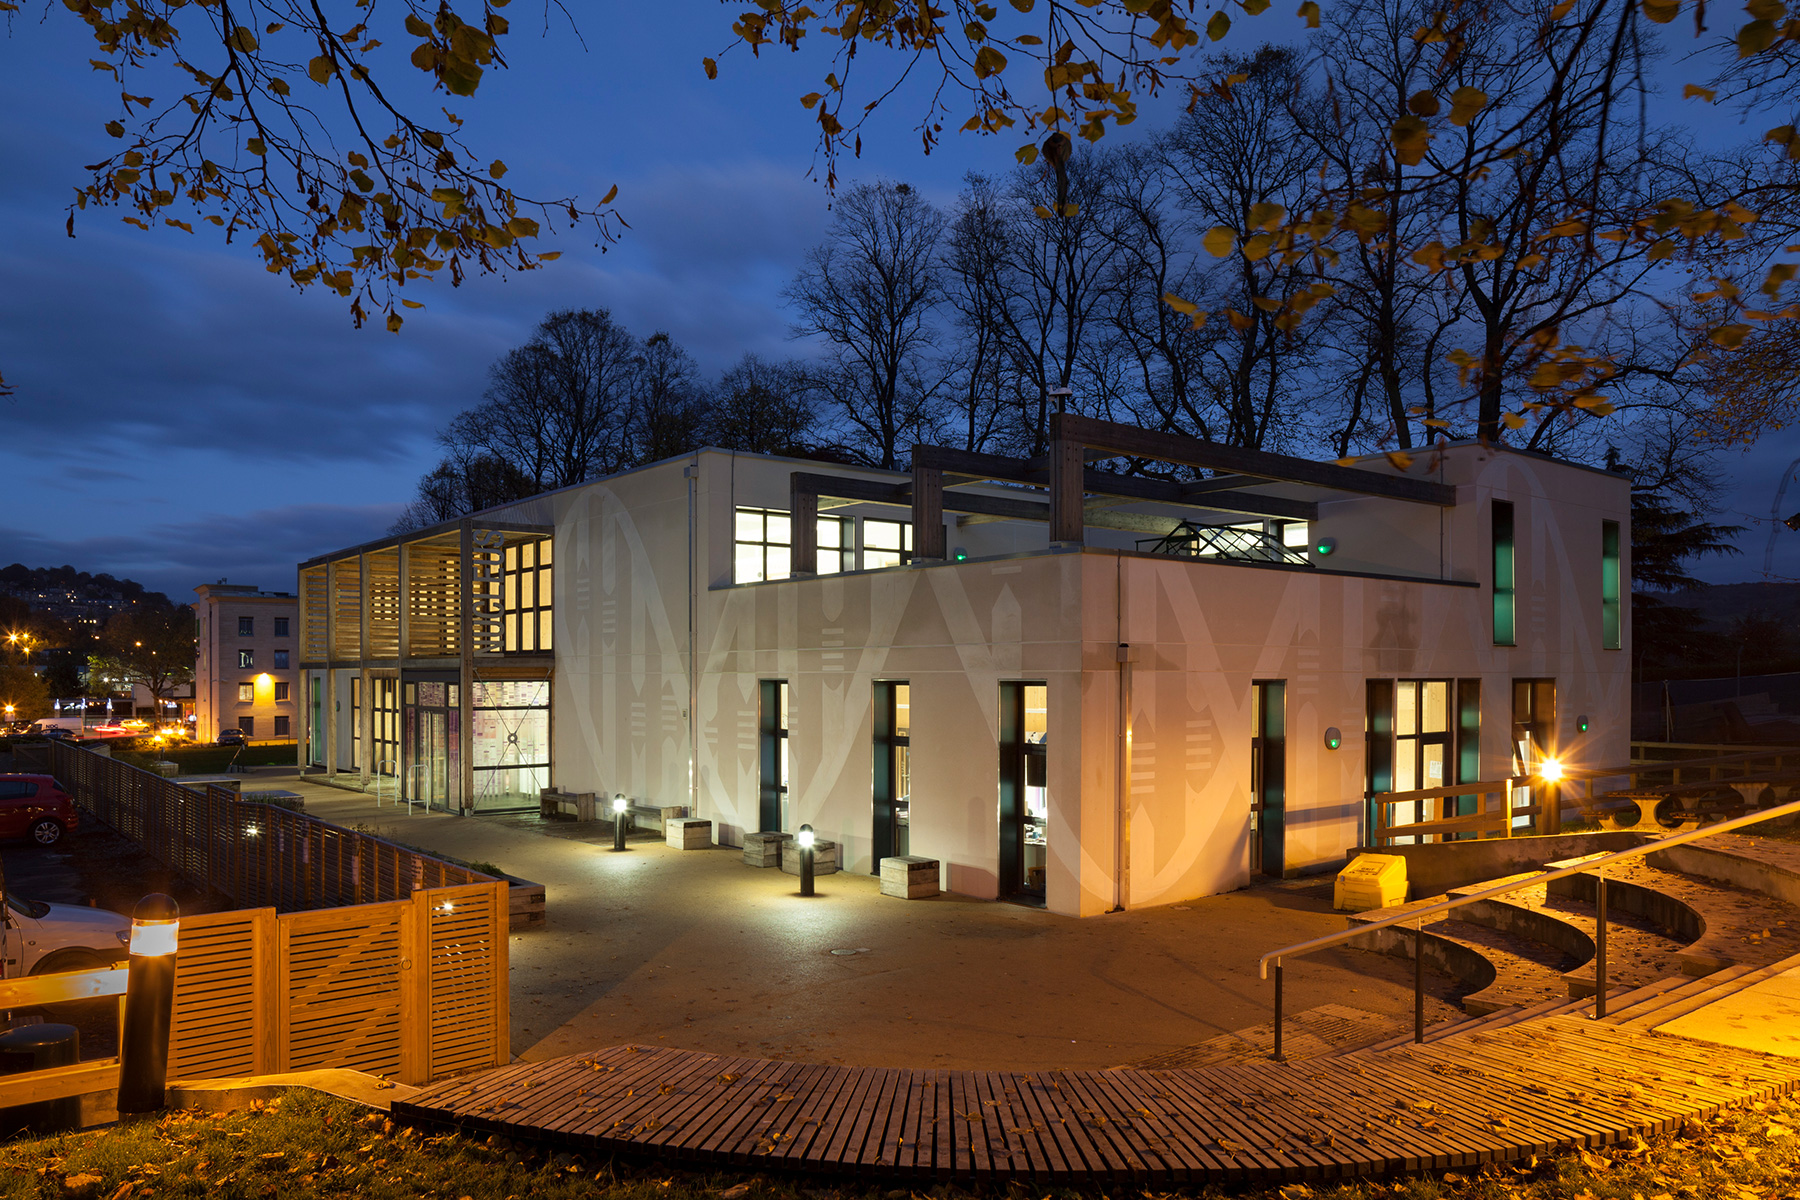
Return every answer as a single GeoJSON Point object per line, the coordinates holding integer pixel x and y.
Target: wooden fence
{"type": "Point", "coordinates": [256, 854]}
{"type": "Point", "coordinates": [386, 960]}
{"type": "Point", "coordinates": [414, 990]}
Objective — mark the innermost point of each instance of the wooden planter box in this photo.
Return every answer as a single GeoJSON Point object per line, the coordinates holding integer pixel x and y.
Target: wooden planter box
{"type": "Point", "coordinates": [825, 858]}
{"type": "Point", "coordinates": [524, 904]}
{"type": "Point", "coordinates": [764, 849]}
{"type": "Point", "coordinates": [909, 877]}
{"type": "Point", "coordinates": [688, 833]}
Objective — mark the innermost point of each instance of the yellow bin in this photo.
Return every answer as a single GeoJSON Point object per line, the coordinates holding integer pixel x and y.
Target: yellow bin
{"type": "Point", "coordinates": [1370, 881]}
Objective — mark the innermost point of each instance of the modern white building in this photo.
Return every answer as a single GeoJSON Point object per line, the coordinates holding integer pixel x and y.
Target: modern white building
{"type": "Point", "coordinates": [1064, 684]}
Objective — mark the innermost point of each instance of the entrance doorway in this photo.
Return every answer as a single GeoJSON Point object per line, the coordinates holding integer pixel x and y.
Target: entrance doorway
{"type": "Point", "coordinates": [434, 743]}
{"type": "Point", "coordinates": [893, 772]}
{"type": "Point", "coordinates": [1534, 740]}
{"type": "Point", "coordinates": [1024, 789]}
{"type": "Point", "coordinates": [1268, 777]}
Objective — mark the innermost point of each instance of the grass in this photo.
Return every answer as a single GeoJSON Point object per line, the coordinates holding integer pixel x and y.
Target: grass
{"type": "Point", "coordinates": [309, 1146]}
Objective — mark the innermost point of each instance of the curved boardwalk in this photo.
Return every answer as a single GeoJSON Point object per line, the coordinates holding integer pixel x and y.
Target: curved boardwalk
{"type": "Point", "coordinates": [1490, 1093]}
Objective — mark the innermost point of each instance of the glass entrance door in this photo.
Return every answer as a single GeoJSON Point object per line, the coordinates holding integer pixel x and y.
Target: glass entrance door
{"type": "Point", "coordinates": [1534, 740]}
{"type": "Point", "coordinates": [1024, 789]}
{"type": "Point", "coordinates": [434, 744]}
{"type": "Point", "coordinates": [892, 772]}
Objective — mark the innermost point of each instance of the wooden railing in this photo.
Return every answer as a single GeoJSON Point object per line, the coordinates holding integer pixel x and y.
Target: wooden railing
{"type": "Point", "coordinates": [1583, 789]}
{"type": "Point", "coordinates": [256, 854]}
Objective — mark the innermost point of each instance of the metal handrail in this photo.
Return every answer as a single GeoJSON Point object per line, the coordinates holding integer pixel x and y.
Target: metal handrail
{"type": "Point", "coordinates": [1419, 915]}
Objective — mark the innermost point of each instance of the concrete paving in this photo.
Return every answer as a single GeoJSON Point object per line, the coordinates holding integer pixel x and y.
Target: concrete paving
{"type": "Point", "coordinates": [1764, 1016]}
{"type": "Point", "coordinates": [693, 949]}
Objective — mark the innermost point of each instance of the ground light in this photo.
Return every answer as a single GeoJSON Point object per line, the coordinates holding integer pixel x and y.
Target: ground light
{"type": "Point", "coordinates": [149, 1000]}
{"type": "Point", "coordinates": [806, 859]}
{"type": "Point", "coordinates": [619, 821]}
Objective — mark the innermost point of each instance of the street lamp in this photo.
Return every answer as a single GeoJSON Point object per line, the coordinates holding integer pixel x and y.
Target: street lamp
{"type": "Point", "coordinates": [806, 860]}
{"type": "Point", "coordinates": [619, 821]}
{"type": "Point", "coordinates": [149, 1000]}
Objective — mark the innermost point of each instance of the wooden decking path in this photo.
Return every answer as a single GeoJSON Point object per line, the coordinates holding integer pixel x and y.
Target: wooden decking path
{"type": "Point", "coordinates": [1494, 1093]}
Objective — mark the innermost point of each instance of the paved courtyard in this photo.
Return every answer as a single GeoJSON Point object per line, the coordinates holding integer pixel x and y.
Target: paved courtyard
{"type": "Point", "coordinates": [697, 951]}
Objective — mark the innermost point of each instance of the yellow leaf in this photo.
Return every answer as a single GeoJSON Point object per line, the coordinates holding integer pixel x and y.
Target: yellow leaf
{"type": "Point", "coordinates": [497, 168]}
{"type": "Point", "coordinates": [711, 68]}
{"type": "Point", "coordinates": [1512, 421]}
{"type": "Point", "coordinates": [989, 61]}
{"type": "Point", "coordinates": [611, 193]}
{"type": "Point", "coordinates": [1423, 104]}
{"type": "Point", "coordinates": [412, 304]}
{"type": "Point", "coordinates": [1023, 6]}
{"type": "Point", "coordinates": [115, 129]}
{"type": "Point", "coordinates": [1465, 102]}
{"type": "Point", "coordinates": [321, 69]}
{"type": "Point", "coordinates": [1266, 216]}
{"type": "Point", "coordinates": [1694, 89]}
{"type": "Point", "coordinates": [1026, 154]}
{"type": "Point", "coordinates": [1755, 37]}
{"type": "Point", "coordinates": [1730, 336]}
{"type": "Point", "coordinates": [1218, 26]}
{"type": "Point", "coordinates": [394, 322]}
{"type": "Point", "coordinates": [1218, 241]}
{"type": "Point", "coordinates": [279, 86]}
{"type": "Point", "coordinates": [1309, 10]}
{"type": "Point", "coordinates": [1401, 460]}
{"type": "Point", "coordinates": [242, 40]}
{"type": "Point", "coordinates": [1661, 11]}
{"type": "Point", "coordinates": [416, 26]}
{"type": "Point", "coordinates": [522, 227]}
{"type": "Point", "coordinates": [255, 146]}
{"type": "Point", "coordinates": [1411, 138]}
{"type": "Point", "coordinates": [550, 255]}
{"type": "Point", "coordinates": [1562, 10]}
{"type": "Point", "coordinates": [1766, 10]}
{"type": "Point", "coordinates": [1186, 307]}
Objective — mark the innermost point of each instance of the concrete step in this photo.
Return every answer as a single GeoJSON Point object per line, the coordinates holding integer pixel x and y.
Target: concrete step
{"type": "Point", "coordinates": [1722, 924]}
{"type": "Point", "coordinates": [1499, 969]}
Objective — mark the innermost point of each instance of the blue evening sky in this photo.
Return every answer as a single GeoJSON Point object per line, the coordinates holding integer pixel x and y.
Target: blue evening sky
{"type": "Point", "coordinates": [183, 416]}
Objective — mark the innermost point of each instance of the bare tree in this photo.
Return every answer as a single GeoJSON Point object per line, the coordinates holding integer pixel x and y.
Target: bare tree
{"type": "Point", "coordinates": [763, 408]}
{"type": "Point", "coordinates": [870, 290]}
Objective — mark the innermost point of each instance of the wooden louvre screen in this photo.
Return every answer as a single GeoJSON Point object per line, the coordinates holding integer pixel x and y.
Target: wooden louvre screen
{"type": "Point", "coordinates": [346, 610]}
{"type": "Point", "coordinates": [465, 984]}
{"type": "Point", "coordinates": [433, 592]}
{"type": "Point", "coordinates": [314, 611]}
{"type": "Point", "coordinates": [486, 574]}
{"type": "Point", "coordinates": [382, 589]}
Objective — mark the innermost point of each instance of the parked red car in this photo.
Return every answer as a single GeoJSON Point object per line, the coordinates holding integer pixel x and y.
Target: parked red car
{"type": "Point", "coordinates": [35, 806]}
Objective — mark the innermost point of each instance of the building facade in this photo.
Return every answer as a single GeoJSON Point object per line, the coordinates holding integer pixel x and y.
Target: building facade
{"type": "Point", "coordinates": [1067, 686]}
{"type": "Point", "coordinates": [246, 669]}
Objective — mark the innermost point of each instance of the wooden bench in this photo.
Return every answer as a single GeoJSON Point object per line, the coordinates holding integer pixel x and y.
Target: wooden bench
{"type": "Point", "coordinates": [554, 804]}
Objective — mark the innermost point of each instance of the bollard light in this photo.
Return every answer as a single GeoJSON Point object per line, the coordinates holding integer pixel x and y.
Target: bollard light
{"type": "Point", "coordinates": [1550, 770]}
{"type": "Point", "coordinates": [806, 860]}
{"type": "Point", "coordinates": [149, 1000]}
{"type": "Point", "coordinates": [619, 821]}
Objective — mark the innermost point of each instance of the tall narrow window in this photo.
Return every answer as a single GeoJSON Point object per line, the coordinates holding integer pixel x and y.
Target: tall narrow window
{"type": "Point", "coordinates": [526, 589]}
{"type": "Point", "coordinates": [1504, 590]}
{"type": "Point", "coordinates": [1468, 748]}
{"type": "Point", "coordinates": [1378, 746]}
{"type": "Point", "coordinates": [1268, 778]}
{"type": "Point", "coordinates": [886, 543]}
{"type": "Point", "coordinates": [1609, 585]}
{"type": "Point", "coordinates": [356, 742]}
{"type": "Point", "coordinates": [1024, 789]}
{"type": "Point", "coordinates": [772, 726]}
{"type": "Point", "coordinates": [892, 771]}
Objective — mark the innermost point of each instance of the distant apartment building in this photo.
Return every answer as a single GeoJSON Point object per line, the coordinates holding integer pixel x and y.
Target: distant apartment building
{"type": "Point", "coordinates": [244, 671]}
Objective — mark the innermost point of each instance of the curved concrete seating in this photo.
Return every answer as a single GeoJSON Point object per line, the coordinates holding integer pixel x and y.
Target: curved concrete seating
{"type": "Point", "coordinates": [1723, 925]}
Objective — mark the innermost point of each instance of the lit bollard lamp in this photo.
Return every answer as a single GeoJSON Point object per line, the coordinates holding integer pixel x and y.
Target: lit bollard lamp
{"type": "Point", "coordinates": [806, 860]}
{"type": "Point", "coordinates": [149, 1000]}
{"type": "Point", "coordinates": [619, 820]}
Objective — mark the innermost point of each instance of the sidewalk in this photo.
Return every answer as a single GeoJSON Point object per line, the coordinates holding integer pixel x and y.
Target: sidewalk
{"type": "Point", "coordinates": [695, 950]}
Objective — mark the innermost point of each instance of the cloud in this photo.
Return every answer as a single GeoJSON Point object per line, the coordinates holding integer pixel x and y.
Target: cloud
{"type": "Point", "coordinates": [260, 547]}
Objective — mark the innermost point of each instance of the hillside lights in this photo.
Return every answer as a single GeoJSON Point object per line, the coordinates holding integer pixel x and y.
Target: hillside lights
{"type": "Point", "coordinates": [149, 1000]}
{"type": "Point", "coordinates": [619, 819]}
{"type": "Point", "coordinates": [806, 859]}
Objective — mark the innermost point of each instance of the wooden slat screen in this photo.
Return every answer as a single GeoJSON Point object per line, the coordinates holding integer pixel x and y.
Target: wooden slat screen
{"type": "Point", "coordinates": [465, 931]}
{"type": "Point", "coordinates": [346, 610]}
{"type": "Point", "coordinates": [383, 599]}
{"type": "Point", "coordinates": [433, 594]}
{"type": "Point", "coordinates": [314, 611]}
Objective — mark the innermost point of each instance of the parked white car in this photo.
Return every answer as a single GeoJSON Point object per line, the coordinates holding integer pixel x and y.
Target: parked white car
{"type": "Point", "coordinates": [41, 938]}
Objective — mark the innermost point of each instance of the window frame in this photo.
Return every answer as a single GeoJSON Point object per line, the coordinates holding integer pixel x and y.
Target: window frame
{"type": "Point", "coordinates": [246, 660]}
{"type": "Point", "coordinates": [836, 545]}
{"type": "Point", "coordinates": [247, 626]}
{"type": "Point", "coordinates": [283, 725]}
{"type": "Point", "coordinates": [246, 693]}
{"type": "Point", "coordinates": [901, 553]}
{"type": "Point", "coordinates": [281, 690]}
{"type": "Point", "coordinates": [1612, 617]}
{"type": "Point", "coordinates": [246, 722]}
{"type": "Point", "coordinates": [527, 597]}
{"type": "Point", "coordinates": [281, 627]}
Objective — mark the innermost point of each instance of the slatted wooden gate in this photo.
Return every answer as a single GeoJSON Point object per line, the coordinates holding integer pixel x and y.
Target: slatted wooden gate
{"type": "Point", "coordinates": [414, 989]}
